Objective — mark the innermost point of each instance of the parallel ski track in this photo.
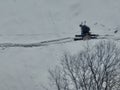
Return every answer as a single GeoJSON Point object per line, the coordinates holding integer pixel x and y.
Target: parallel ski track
{"type": "Point", "coordinates": [42, 43]}
{"type": "Point", "coordinates": [51, 42]}
{"type": "Point", "coordinates": [109, 37]}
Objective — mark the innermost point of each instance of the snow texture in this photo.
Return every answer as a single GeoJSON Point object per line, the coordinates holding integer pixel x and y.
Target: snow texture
{"type": "Point", "coordinates": [32, 21]}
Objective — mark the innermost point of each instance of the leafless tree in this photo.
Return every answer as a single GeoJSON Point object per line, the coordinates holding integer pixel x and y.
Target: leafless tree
{"type": "Point", "coordinates": [94, 68]}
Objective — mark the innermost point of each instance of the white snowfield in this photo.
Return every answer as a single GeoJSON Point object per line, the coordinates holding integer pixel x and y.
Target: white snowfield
{"type": "Point", "coordinates": [30, 22]}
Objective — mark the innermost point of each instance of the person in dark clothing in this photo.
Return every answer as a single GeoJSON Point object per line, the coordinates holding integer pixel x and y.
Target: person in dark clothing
{"type": "Point", "coordinates": [85, 30]}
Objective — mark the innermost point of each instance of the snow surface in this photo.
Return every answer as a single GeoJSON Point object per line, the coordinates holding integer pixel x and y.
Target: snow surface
{"type": "Point", "coordinates": [28, 21]}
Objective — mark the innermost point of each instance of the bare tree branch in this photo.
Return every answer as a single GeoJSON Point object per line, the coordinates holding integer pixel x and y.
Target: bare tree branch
{"type": "Point", "coordinates": [95, 68]}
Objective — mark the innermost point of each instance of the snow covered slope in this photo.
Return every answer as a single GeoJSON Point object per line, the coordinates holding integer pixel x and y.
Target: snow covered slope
{"type": "Point", "coordinates": [28, 21]}
{"type": "Point", "coordinates": [22, 19]}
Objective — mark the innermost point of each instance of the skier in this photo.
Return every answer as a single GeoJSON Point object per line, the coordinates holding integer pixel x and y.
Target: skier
{"type": "Point", "coordinates": [84, 30]}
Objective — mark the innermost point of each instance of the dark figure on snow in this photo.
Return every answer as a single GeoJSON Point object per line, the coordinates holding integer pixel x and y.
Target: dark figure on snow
{"type": "Point", "coordinates": [85, 30]}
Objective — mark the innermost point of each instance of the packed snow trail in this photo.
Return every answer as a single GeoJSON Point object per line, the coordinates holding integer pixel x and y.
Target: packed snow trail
{"type": "Point", "coordinates": [50, 42]}
{"type": "Point", "coordinates": [43, 43]}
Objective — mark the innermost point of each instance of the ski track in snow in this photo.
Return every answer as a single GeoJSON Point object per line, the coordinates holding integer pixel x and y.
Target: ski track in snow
{"type": "Point", "coordinates": [51, 42]}
{"type": "Point", "coordinates": [43, 43]}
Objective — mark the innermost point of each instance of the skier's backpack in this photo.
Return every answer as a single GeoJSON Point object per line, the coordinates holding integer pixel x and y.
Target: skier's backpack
{"type": "Point", "coordinates": [86, 29]}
